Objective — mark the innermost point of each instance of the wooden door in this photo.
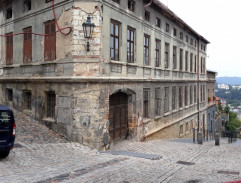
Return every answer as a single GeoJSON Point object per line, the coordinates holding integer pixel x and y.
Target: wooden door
{"type": "Point", "coordinates": [118, 116]}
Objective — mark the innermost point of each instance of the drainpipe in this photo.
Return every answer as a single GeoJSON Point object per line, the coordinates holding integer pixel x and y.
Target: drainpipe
{"type": "Point", "coordinates": [148, 4]}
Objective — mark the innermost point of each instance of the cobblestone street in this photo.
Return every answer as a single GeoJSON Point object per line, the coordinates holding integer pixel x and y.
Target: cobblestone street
{"type": "Point", "coordinates": [41, 155]}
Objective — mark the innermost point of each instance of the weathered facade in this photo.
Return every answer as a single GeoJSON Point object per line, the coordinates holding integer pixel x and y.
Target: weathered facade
{"type": "Point", "coordinates": [144, 76]}
{"type": "Point", "coordinates": [212, 109]}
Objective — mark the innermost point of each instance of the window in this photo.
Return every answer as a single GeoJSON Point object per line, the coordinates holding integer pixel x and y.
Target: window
{"type": "Point", "coordinates": [204, 48]}
{"type": "Point", "coordinates": [146, 103]}
{"type": "Point", "coordinates": [10, 95]}
{"type": "Point", "coordinates": [186, 61]}
{"type": "Point", "coordinates": [114, 40]}
{"type": "Point", "coordinates": [195, 64]}
{"type": "Point", "coordinates": [202, 65]}
{"type": "Point", "coordinates": [174, 96]}
{"type": "Point", "coordinates": [158, 22]}
{"type": "Point", "coordinates": [167, 27]}
{"type": "Point", "coordinates": [130, 44]}
{"type": "Point", "coordinates": [166, 99]}
{"type": "Point", "coordinates": [186, 96]}
{"type": "Point", "coordinates": [174, 32]}
{"type": "Point", "coordinates": [50, 41]}
{"type": "Point", "coordinates": [27, 5]}
{"type": "Point", "coordinates": [46, 1]}
{"type": "Point", "coordinates": [191, 125]}
{"type": "Point", "coordinates": [27, 100]}
{"type": "Point", "coordinates": [9, 49]}
{"type": "Point", "coordinates": [51, 102]}
{"type": "Point", "coordinates": [195, 94]}
{"type": "Point", "coordinates": [181, 35]}
{"type": "Point", "coordinates": [191, 42]}
{"type": "Point", "coordinates": [181, 130]}
{"type": "Point", "coordinates": [157, 53]}
{"type": "Point", "coordinates": [131, 5]}
{"type": "Point", "coordinates": [180, 96]}
{"type": "Point", "coordinates": [201, 47]}
{"type": "Point", "coordinates": [195, 44]}
{"type": "Point", "coordinates": [9, 13]}
{"type": "Point", "coordinates": [27, 45]}
{"type": "Point", "coordinates": [181, 59]}
{"type": "Point", "coordinates": [157, 102]}
{"type": "Point", "coordinates": [187, 39]}
{"type": "Point", "coordinates": [191, 95]}
{"type": "Point", "coordinates": [166, 55]}
{"type": "Point", "coordinates": [191, 62]}
{"type": "Point", "coordinates": [187, 127]}
{"type": "Point", "coordinates": [147, 15]}
{"type": "Point", "coordinates": [174, 57]}
{"type": "Point", "coordinates": [146, 49]}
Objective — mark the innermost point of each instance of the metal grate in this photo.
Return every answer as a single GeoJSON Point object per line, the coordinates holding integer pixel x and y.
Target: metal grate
{"type": "Point", "coordinates": [185, 163]}
{"type": "Point", "coordinates": [228, 172]}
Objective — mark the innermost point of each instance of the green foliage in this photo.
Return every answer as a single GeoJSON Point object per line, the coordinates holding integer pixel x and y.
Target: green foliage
{"type": "Point", "coordinates": [232, 115]}
{"type": "Point", "coordinates": [227, 109]}
{"type": "Point", "coordinates": [233, 124]}
{"type": "Point", "coordinates": [220, 106]}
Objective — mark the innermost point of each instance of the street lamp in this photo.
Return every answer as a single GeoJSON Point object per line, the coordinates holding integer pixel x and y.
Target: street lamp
{"type": "Point", "coordinates": [88, 28]}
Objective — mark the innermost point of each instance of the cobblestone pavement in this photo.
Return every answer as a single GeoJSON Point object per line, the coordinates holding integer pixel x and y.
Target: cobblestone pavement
{"type": "Point", "coordinates": [45, 157]}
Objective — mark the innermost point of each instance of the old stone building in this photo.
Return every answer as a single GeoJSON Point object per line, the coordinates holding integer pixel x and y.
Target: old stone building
{"type": "Point", "coordinates": [144, 75]}
{"type": "Point", "coordinates": [212, 109]}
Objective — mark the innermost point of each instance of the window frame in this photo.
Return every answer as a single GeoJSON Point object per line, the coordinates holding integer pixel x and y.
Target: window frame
{"type": "Point", "coordinates": [166, 59]}
{"type": "Point", "coordinates": [157, 53]}
{"type": "Point", "coordinates": [158, 22]}
{"type": "Point", "coordinates": [27, 45]}
{"type": "Point", "coordinates": [146, 50]}
{"type": "Point", "coordinates": [146, 100]}
{"type": "Point", "coordinates": [174, 57]}
{"type": "Point", "coordinates": [50, 104]}
{"type": "Point", "coordinates": [181, 59]}
{"type": "Point", "coordinates": [158, 101]}
{"type": "Point", "coordinates": [115, 37]}
{"type": "Point", "coordinates": [167, 27]}
{"type": "Point", "coordinates": [50, 41]}
{"type": "Point", "coordinates": [130, 43]}
{"type": "Point", "coordinates": [9, 48]}
{"type": "Point", "coordinates": [9, 13]}
{"type": "Point", "coordinates": [166, 99]}
{"type": "Point", "coordinates": [131, 5]}
{"type": "Point", "coordinates": [174, 96]}
{"type": "Point", "coordinates": [147, 15]}
{"type": "Point", "coordinates": [180, 98]}
{"type": "Point", "coordinates": [27, 100]}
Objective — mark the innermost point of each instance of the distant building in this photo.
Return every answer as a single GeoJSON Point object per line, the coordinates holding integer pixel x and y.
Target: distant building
{"type": "Point", "coordinates": [237, 87]}
{"type": "Point", "coordinates": [223, 86]}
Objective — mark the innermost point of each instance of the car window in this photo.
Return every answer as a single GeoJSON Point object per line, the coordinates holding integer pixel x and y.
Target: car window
{"type": "Point", "coordinates": [4, 117]}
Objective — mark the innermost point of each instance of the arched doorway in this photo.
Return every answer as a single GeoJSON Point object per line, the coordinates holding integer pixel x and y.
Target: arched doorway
{"type": "Point", "coordinates": [118, 116]}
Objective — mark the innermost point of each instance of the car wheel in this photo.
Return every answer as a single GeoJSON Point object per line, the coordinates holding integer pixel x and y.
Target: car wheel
{"type": "Point", "coordinates": [4, 154]}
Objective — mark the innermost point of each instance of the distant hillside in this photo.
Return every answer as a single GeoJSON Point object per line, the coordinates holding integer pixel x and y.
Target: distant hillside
{"type": "Point", "coordinates": [229, 80]}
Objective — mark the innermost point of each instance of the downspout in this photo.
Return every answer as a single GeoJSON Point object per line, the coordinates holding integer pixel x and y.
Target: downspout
{"type": "Point", "coordinates": [149, 4]}
{"type": "Point", "coordinates": [198, 83]}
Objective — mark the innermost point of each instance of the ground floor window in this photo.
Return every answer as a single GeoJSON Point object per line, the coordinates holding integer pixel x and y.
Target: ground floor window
{"type": "Point", "coordinates": [27, 100]}
{"type": "Point", "coordinates": [51, 102]}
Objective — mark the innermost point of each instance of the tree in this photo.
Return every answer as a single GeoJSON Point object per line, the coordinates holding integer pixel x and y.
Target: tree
{"type": "Point", "coordinates": [227, 109]}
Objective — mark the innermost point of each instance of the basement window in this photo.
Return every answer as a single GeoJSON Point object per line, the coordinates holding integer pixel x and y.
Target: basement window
{"type": "Point", "coordinates": [9, 13]}
{"type": "Point", "coordinates": [27, 5]}
{"type": "Point", "coordinates": [47, 1]}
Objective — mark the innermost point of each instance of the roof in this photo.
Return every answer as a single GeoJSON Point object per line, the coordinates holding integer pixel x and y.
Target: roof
{"type": "Point", "coordinates": [5, 108]}
{"type": "Point", "coordinates": [171, 15]}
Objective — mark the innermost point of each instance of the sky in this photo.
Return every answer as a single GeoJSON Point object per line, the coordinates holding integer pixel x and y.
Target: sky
{"type": "Point", "coordinates": [219, 21]}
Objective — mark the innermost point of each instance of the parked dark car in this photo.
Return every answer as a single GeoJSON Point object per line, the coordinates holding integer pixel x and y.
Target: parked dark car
{"type": "Point", "coordinates": [7, 131]}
